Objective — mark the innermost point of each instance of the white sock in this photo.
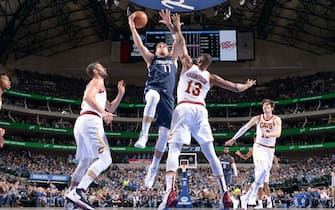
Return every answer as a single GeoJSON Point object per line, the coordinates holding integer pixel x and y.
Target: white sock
{"type": "Point", "coordinates": [222, 185]}
{"type": "Point", "coordinates": [155, 162]}
{"type": "Point", "coordinates": [170, 178]}
{"type": "Point", "coordinates": [145, 127]}
{"type": "Point", "coordinates": [254, 188]}
{"type": "Point", "coordinates": [85, 182]}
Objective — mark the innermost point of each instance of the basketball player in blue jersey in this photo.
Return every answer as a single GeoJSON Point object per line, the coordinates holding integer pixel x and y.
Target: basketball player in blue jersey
{"type": "Point", "coordinates": [92, 146]}
{"type": "Point", "coordinates": [190, 118]}
{"type": "Point", "coordinates": [159, 98]}
{"type": "Point", "coordinates": [229, 166]}
{"type": "Point", "coordinates": [5, 84]}
{"type": "Point", "coordinates": [268, 128]}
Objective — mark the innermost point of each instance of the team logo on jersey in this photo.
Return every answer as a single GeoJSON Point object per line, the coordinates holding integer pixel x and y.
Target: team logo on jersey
{"type": "Point", "coordinates": [265, 125]}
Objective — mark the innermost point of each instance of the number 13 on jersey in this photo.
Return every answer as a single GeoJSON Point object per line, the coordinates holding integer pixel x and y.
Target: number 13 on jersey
{"type": "Point", "coordinates": [193, 88]}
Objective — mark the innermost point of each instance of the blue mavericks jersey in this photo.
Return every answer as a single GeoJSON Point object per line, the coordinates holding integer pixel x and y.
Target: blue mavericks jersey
{"type": "Point", "coordinates": [162, 74]}
{"type": "Point", "coordinates": [226, 164]}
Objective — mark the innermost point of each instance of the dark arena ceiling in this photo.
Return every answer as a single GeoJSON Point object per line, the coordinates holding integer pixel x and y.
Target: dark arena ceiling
{"type": "Point", "coordinates": [49, 27]}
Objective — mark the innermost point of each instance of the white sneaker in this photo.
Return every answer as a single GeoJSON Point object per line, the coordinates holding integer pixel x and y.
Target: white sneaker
{"type": "Point", "coordinates": [142, 141]}
{"type": "Point", "coordinates": [252, 200]}
{"type": "Point", "coordinates": [150, 177]}
{"type": "Point", "coordinates": [259, 205]}
{"type": "Point", "coordinates": [69, 205]}
{"type": "Point", "coordinates": [244, 202]}
{"type": "Point", "coordinates": [269, 205]}
{"type": "Point", "coordinates": [78, 197]}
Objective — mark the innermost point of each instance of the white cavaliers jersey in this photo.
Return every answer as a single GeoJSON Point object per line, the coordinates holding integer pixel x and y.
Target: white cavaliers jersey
{"type": "Point", "coordinates": [268, 125]}
{"type": "Point", "coordinates": [101, 99]}
{"type": "Point", "coordinates": [193, 85]}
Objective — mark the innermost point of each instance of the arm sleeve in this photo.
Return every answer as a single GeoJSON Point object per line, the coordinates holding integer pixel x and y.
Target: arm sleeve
{"type": "Point", "coordinates": [234, 169]}
{"type": "Point", "coordinates": [241, 131]}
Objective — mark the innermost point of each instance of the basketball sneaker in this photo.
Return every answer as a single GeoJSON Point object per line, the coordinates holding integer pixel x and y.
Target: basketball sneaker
{"type": "Point", "coordinates": [142, 141]}
{"type": "Point", "coordinates": [269, 204]}
{"type": "Point", "coordinates": [244, 202]}
{"type": "Point", "coordinates": [169, 200]}
{"type": "Point", "coordinates": [252, 200]}
{"type": "Point", "coordinates": [150, 177]}
{"type": "Point", "coordinates": [78, 197]}
{"type": "Point", "coordinates": [69, 205]}
{"type": "Point", "coordinates": [225, 201]}
{"type": "Point", "coordinates": [259, 204]}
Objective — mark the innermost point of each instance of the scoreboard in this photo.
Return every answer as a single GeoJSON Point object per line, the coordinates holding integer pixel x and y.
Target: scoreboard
{"type": "Point", "coordinates": [197, 42]}
{"type": "Point", "coordinates": [222, 45]}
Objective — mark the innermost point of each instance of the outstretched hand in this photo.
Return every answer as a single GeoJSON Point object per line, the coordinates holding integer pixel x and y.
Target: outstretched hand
{"type": "Point", "coordinates": [250, 82]}
{"type": "Point", "coordinates": [176, 22]}
{"type": "Point", "coordinates": [230, 142]}
{"type": "Point", "coordinates": [166, 17]}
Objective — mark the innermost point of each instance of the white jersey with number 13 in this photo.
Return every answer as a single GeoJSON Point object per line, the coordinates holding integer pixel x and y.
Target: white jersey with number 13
{"type": "Point", "coordinates": [193, 85]}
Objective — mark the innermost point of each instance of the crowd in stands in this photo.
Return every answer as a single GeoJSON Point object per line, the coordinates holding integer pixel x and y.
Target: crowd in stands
{"type": "Point", "coordinates": [317, 84]}
{"type": "Point", "coordinates": [25, 81]}
{"type": "Point", "coordinates": [290, 87]}
{"type": "Point", "coordinates": [217, 127]}
{"type": "Point", "coordinates": [299, 183]}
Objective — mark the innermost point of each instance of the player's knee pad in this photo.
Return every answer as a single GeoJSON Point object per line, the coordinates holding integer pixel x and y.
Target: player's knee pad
{"type": "Point", "coordinates": [80, 170]}
{"type": "Point", "coordinates": [152, 98]}
{"type": "Point", "coordinates": [209, 152]}
{"type": "Point", "coordinates": [101, 164]}
{"type": "Point", "coordinates": [172, 160]}
{"type": "Point", "coordinates": [163, 134]}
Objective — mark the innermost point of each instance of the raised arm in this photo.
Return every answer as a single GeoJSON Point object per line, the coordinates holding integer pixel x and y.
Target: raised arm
{"type": "Point", "coordinates": [226, 84]}
{"type": "Point", "coordinates": [253, 121]}
{"type": "Point", "coordinates": [186, 60]}
{"type": "Point", "coordinates": [111, 106]}
{"type": "Point", "coordinates": [166, 20]}
{"type": "Point", "coordinates": [146, 54]}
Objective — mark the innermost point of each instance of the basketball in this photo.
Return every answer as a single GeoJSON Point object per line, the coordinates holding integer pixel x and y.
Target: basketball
{"type": "Point", "coordinates": [141, 19]}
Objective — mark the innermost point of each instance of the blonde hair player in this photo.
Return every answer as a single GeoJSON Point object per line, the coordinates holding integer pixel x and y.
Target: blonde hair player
{"type": "Point", "coordinates": [268, 128]}
{"type": "Point", "coordinates": [266, 186]}
{"type": "Point", "coordinates": [190, 118]}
